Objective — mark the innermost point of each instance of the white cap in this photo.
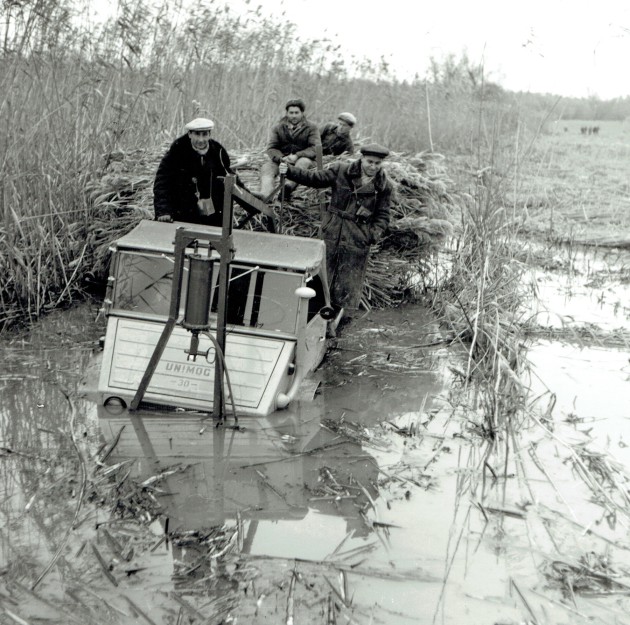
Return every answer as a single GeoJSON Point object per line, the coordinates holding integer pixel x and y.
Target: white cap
{"type": "Point", "coordinates": [200, 123]}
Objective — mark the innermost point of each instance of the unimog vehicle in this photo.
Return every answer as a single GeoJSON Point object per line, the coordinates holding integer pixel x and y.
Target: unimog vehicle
{"type": "Point", "coordinates": [212, 319]}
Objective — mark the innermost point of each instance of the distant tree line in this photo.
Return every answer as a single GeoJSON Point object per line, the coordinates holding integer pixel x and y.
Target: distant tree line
{"type": "Point", "coordinates": [593, 107]}
{"type": "Point", "coordinates": [617, 109]}
{"type": "Point", "coordinates": [460, 74]}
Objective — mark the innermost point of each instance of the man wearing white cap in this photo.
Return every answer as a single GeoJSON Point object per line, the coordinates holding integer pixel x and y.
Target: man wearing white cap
{"type": "Point", "coordinates": [189, 181]}
{"type": "Point", "coordinates": [336, 135]}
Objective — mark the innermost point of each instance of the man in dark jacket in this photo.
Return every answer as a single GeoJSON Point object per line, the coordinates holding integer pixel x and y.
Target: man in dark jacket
{"type": "Point", "coordinates": [356, 217]}
{"type": "Point", "coordinates": [189, 181]}
{"type": "Point", "coordinates": [294, 141]}
{"type": "Point", "coordinates": [336, 135]}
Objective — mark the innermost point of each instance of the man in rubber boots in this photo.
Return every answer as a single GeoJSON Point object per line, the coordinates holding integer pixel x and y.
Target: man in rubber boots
{"type": "Point", "coordinates": [356, 217]}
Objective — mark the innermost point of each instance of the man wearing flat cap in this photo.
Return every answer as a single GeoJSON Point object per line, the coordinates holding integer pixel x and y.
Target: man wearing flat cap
{"type": "Point", "coordinates": [355, 218]}
{"type": "Point", "coordinates": [294, 141]}
{"type": "Point", "coordinates": [189, 180]}
{"type": "Point", "coordinates": [336, 135]}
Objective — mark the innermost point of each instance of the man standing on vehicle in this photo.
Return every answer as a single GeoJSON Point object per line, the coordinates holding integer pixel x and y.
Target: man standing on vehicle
{"type": "Point", "coordinates": [189, 180]}
{"type": "Point", "coordinates": [357, 216]}
{"type": "Point", "coordinates": [293, 141]}
{"type": "Point", "coordinates": [336, 135]}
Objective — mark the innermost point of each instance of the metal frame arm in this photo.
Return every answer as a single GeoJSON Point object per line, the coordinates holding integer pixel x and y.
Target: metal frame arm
{"type": "Point", "coordinates": [223, 244]}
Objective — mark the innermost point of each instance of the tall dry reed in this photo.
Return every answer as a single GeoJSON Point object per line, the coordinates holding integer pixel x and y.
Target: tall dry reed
{"type": "Point", "coordinates": [482, 300]}
{"type": "Point", "coordinates": [74, 93]}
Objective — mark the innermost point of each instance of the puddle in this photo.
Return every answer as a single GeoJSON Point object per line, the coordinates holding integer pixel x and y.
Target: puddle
{"type": "Point", "coordinates": [564, 301]}
{"type": "Point", "coordinates": [588, 387]}
{"type": "Point", "coordinates": [267, 472]}
{"type": "Point", "coordinates": [378, 502]}
{"type": "Point", "coordinates": [590, 383]}
{"type": "Point", "coordinates": [582, 288]}
{"type": "Point", "coordinates": [305, 485]}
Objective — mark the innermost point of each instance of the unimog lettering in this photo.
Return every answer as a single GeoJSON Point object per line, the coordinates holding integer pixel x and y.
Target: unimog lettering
{"type": "Point", "coordinates": [195, 370]}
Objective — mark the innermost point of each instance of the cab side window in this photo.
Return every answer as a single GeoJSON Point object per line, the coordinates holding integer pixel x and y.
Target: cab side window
{"type": "Point", "coordinates": [143, 283]}
{"type": "Point", "coordinates": [316, 303]}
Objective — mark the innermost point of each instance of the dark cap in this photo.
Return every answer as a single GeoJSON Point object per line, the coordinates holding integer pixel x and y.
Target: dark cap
{"type": "Point", "coordinates": [374, 149]}
{"type": "Point", "coordinates": [349, 118]}
{"type": "Point", "coordinates": [298, 103]}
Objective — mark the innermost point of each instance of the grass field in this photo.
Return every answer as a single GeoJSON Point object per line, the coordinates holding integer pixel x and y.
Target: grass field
{"type": "Point", "coordinates": [576, 186]}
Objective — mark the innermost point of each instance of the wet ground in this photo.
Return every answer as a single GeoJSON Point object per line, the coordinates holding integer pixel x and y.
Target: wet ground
{"type": "Point", "coordinates": [382, 501]}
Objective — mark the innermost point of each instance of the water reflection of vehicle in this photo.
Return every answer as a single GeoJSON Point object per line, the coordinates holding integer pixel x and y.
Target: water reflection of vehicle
{"type": "Point", "coordinates": [278, 467]}
{"type": "Point", "coordinates": [203, 318]}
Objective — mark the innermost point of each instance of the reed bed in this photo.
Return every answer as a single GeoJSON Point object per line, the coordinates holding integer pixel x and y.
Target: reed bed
{"type": "Point", "coordinates": [423, 215]}
{"type": "Point", "coordinates": [127, 91]}
{"type": "Point", "coordinates": [74, 102]}
{"type": "Point", "coordinates": [480, 302]}
{"type": "Point", "coordinates": [79, 156]}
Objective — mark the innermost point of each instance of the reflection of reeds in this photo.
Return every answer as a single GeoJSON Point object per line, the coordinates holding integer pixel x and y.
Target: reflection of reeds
{"type": "Point", "coordinates": [79, 495]}
{"type": "Point", "coordinates": [593, 575]}
{"type": "Point", "coordinates": [607, 480]}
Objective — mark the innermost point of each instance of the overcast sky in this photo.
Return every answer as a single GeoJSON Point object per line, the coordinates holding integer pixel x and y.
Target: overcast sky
{"type": "Point", "coordinates": [572, 48]}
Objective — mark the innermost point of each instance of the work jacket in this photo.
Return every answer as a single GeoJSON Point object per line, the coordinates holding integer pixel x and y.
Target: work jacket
{"type": "Point", "coordinates": [302, 142]}
{"type": "Point", "coordinates": [182, 174]}
{"type": "Point", "coordinates": [341, 226]}
{"type": "Point", "coordinates": [334, 142]}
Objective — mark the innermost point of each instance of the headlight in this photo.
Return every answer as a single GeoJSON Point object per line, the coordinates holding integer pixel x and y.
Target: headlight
{"type": "Point", "coordinates": [115, 405]}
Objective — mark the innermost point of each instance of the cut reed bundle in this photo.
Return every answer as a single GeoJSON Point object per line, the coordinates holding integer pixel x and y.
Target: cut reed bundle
{"type": "Point", "coordinates": [423, 214]}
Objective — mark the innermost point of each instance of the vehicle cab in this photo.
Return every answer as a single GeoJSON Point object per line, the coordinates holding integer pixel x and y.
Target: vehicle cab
{"type": "Point", "coordinates": [259, 319]}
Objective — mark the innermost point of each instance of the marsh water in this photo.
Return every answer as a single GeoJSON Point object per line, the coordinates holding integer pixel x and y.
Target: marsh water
{"type": "Point", "coordinates": [381, 501]}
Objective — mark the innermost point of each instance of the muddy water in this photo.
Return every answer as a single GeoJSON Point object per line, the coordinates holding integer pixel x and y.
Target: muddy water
{"type": "Point", "coordinates": [579, 381]}
{"type": "Point", "coordinates": [379, 502]}
{"type": "Point", "coordinates": [316, 484]}
{"type": "Point", "coordinates": [585, 375]}
{"type": "Point", "coordinates": [580, 289]}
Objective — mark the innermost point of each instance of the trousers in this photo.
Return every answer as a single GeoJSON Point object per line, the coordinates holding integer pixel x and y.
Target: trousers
{"type": "Point", "coordinates": [269, 171]}
{"type": "Point", "coordinates": [346, 268]}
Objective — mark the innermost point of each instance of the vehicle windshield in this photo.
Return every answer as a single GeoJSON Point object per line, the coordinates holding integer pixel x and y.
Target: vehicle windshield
{"type": "Point", "coordinates": [257, 298]}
